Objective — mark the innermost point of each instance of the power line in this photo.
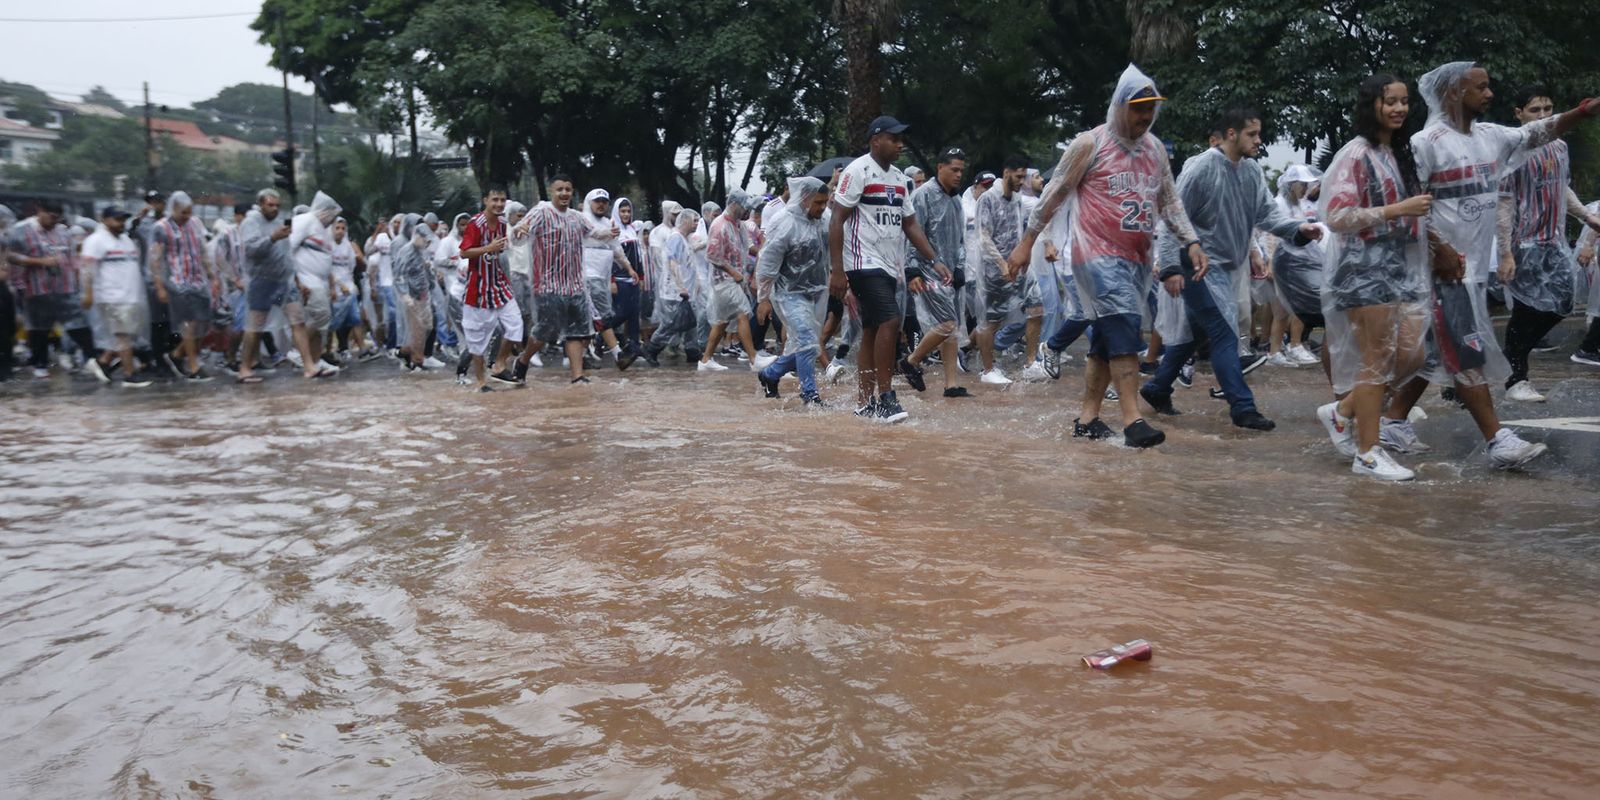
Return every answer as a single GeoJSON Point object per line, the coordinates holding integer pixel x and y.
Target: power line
{"type": "Point", "coordinates": [53, 20]}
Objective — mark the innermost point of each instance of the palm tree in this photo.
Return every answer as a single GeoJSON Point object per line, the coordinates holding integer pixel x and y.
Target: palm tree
{"type": "Point", "coordinates": [1158, 29]}
{"type": "Point", "coordinates": [866, 25]}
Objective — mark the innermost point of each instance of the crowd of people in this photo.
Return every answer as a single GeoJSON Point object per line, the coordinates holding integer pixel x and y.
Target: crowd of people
{"type": "Point", "coordinates": [1396, 254]}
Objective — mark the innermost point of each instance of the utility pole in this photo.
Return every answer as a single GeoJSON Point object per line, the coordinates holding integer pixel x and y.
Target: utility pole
{"type": "Point", "coordinates": [149, 144]}
{"type": "Point", "coordinates": [316, 141]}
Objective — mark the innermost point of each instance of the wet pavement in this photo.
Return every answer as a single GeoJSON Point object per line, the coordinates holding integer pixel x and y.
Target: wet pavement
{"type": "Point", "coordinates": [662, 585]}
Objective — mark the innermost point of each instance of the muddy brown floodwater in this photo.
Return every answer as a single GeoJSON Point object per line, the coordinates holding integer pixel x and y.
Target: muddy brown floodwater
{"type": "Point", "coordinates": [667, 587]}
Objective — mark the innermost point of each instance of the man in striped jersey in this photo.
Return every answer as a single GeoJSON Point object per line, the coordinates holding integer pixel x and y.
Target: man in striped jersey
{"type": "Point", "coordinates": [184, 278]}
{"type": "Point", "coordinates": [1461, 162]}
{"type": "Point", "coordinates": [561, 304]}
{"type": "Point", "coordinates": [1536, 266]}
{"type": "Point", "coordinates": [45, 277]}
{"type": "Point", "coordinates": [487, 301]}
{"type": "Point", "coordinates": [872, 219]}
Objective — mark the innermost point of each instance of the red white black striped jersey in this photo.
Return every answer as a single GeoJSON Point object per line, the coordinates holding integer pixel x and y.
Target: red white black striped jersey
{"type": "Point", "coordinates": [557, 249]}
{"type": "Point", "coordinates": [487, 286]}
{"type": "Point", "coordinates": [30, 241]}
{"type": "Point", "coordinates": [182, 247]}
{"type": "Point", "coordinates": [873, 238]}
{"type": "Point", "coordinates": [1539, 190]}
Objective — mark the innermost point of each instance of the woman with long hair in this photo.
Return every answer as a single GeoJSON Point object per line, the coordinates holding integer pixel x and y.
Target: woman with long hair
{"type": "Point", "coordinates": [1375, 295]}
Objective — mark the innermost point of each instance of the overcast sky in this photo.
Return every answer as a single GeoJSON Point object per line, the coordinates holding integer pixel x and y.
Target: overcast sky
{"type": "Point", "coordinates": [184, 60]}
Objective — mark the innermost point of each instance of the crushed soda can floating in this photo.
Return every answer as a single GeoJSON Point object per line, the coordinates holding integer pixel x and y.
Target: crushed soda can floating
{"type": "Point", "coordinates": [1136, 650]}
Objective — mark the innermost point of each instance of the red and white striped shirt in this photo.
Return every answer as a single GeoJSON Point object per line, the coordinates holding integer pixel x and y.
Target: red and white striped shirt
{"type": "Point", "coordinates": [31, 241]}
{"type": "Point", "coordinates": [487, 286]}
{"type": "Point", "coordinates": [181, 253]}
{"type": "Point", "coordinates": [557, 250]}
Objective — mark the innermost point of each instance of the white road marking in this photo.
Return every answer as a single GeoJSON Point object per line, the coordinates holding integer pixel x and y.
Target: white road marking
{"type": "Point", "coordinates": [1583, 424]}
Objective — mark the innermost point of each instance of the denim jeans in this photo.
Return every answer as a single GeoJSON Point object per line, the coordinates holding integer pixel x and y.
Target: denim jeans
{"type": "Point", "coordinates": [802, 315]}
{"type": "Point", "coordinates": [391, 316]}
{"type": "Point", "coordinates": [1068, 333]}
{"type": "Point", "coordinates": [625, 313]}
{"type": "Point", "coordinates": [1207, 321]}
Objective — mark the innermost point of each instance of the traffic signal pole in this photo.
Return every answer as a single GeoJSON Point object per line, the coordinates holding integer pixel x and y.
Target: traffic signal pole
{"type": "Point", "coordinates": [288, 119]}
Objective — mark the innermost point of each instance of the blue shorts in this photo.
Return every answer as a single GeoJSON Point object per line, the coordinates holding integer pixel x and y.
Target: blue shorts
{"type": "Point", "coordinates": [263, 294]}
{"type": "Point", "coordinates": [346, 312]}
{"type": "Point", "coordinates": [1115, 335]}
{"type": "Point", "coordinates": [236, 304]}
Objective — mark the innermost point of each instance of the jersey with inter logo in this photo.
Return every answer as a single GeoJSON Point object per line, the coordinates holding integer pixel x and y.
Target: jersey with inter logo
{"type": "Point", "coordinates": [873, 238]}
{"type": "Point", "coordinates": [1539, 189]}
{"type": "Point", "coordinates": [1115, 206]}
{"type": "Point", "coordinates": [1463, 172]}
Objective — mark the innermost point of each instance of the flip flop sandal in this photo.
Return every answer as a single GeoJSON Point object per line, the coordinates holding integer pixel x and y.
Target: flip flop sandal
{"type": "Point", "coordinates": [251, 379]}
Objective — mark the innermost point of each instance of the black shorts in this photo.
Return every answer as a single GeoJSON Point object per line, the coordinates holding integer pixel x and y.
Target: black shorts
{"type": "Point", "coordinates": [1311, 321]}
{"type": "Point", "coordinates": [835, 308]}
{"type": "Point", "coordinates": [875, 296]}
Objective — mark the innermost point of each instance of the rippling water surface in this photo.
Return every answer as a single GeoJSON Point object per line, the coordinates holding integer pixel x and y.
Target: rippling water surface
{"type": "Point", "coordinates": [667, 588]}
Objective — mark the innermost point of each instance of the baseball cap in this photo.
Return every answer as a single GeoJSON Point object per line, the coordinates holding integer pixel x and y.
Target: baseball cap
{"type": "Point", "coordinates": [885, 124]}
{"type": "Point", "coordinates": [985, 177]}
{"type": "Point", "coordinates": [152, 195]}
{"type": "Point", "coordinates": [601, 194]}
{"type": "Point", "coordinates": [1145, 95]}
{"type": "Point", "coordinates": [241, 208]}
{"type": "Point", "coordinates": [951, 154]}
{"type": "Point", "coordinates": [114, 211]}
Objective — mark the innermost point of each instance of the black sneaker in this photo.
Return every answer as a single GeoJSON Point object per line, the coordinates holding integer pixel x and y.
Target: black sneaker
{"type": "Point", "coordinates": [652, 356]}
{"type": "Point", "coordinates": [1253, 420]}
{"type": "Point", "coordinates": [1148, 367]}
{"type": "Point", "coordinates": [913, 374]}
{"type": "Point", "coordinates": [1218, 394]}
{"type": "Point", "coordinates": [484, 389]}
{"type": "Point", "coordinates": [625, 359]}
{"type": "Point", "coordinates": [1162, 404]}
{"type": "Point", "coordinates": [581, 379]}
{"type": "Point", "coordinates": [1544, 346]}
{"type": "Point", "coordinates": [889, 409]}
{"type": "Point", "coordinates": [519, 371]}
{"type": "Point", "coordinates": [198, 376]}
{"type": "Point", "coordinates": [590, 362]}
{"type": "Point", "coordinates": [134, 381]}
{"type": "Point", "coordinates": [868, 411]}
{"type": "Point", "coordinates": [330, 360]}
{"type": "Point", "coordinates": [506, 376]}
{"type": "Point", "coordinates": [812, 399]}
{"type": "Point", "coordinates": [1141, 435]}
{"type": "Point", "coordinates": [691, 356]}
{"type": "Point", "coordinates": [769, 387]}
{"type": "Point", "coordinates": [1586, 357]}
{"type": "Point", "coordinates": [957, 391]}
{"type": "Point", "coordinates": [1186, 373]}
{"type": "Point", "coordinates": [1093, 429]}
{"type": "Point", "coordinates": [232, 368]}
{"type": "Point", "coordinates": [1448, 394]}
{"type": "Point", "coordinates": [1251, 362]}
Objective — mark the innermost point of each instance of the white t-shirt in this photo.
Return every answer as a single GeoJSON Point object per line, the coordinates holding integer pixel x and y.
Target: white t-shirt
{"type": "Point", "coordinates": [380, 256]}
{"type": "Point", "coordinates": [117, 279]}
{"type": "Point", "coordinates": [873, 238]}
{"type": "Point", "coordinates": [344, 264]}
{"type": "Point", "coordinates": [1463, 174]}
{"type": "Point", "coordinates": [312, 245]}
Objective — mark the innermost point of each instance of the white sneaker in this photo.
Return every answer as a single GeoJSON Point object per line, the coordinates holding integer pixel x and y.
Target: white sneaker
{"type": "Point", "coordinates": [833, 372]}
{"type": "Point", "coordinates": [1340, 429]}
{"type": "Point", "coordinates": [1281, 359]}
{"type": "Point", "coordinates": [295, 359]}
{"type": "Point", "coordinates": [536, 360]}
{"type": "Point", "coordinates": [1111, 393]}
{"type": "Point", "coordinates": [1508, 450]}
{"type": "Point", "coordinates": [1523, 392]}
{"type": "Point", "coordinates": [710, 366]}
{"type": "Point", "coordinates": [432, 363]}
{"type": "Point", "coordinates": [93, 365]}
{"type": "Point", "coordinates": [1301, 355]}
{"type": "Point", "coordinates": [1034, 372]}
{"type": "Point", "coordinates": [1400, 437]}
{"type": "Point", "coordinates": [762, 361]}
{"type": "Point", "coordinates": [1376, 463]}
{"type": "Point", "coordinates": [1044, 353]}
{"type": "Point", "coordinates": [996, 377]}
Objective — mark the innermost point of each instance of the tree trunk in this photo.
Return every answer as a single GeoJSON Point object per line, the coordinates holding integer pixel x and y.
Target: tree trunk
{"type": "Point", "coordinates": [864, 71]}
{"type": "Point", "coordinates": [411, 117]}
{"type": "Point", "coordinates": [756, 144]}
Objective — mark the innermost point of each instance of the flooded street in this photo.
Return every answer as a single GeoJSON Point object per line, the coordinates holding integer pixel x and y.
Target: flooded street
{"type": "Point", "coordinates": [664, 586]}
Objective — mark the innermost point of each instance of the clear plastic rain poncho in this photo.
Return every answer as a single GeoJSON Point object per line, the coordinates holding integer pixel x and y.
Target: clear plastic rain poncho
{"type": "Point", "coordinates": [944, 222]}
{"type": "Point", "coordinates": [411, 253]}
{"type": "Point", "coordinates": [1001, 222]}
{"type": "Point", "coordinates": [114, 252]}
{"type": "Point", "coordinates": [1297, 269]}
{"type": "Point", "coordinates": [265, 259]}
{"type": "Point", "coordinates": [1115, 189]}
{"type": "Point", "coordinates": [311, 240]}
{"type": "Point", "coordinates": [1591, 271]}
{"type": "Point", "coordinates": [1225, 201]}
{"type": "Point", "coordinates": [600, 248]}
{"type": "Point", "coordinates": [792, 269]}
{"type": "Point", "coordinates": [1533, 206]}
{"type": "Point", "coordinates": [677, 273]}
{"type": "Point", "coordinates": [1464, 215]}
{"type": "Point", "coordinates": [1376, 297]}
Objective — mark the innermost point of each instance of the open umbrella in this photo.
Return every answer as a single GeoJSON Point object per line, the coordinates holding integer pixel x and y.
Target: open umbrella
{"type": "Point", "coordinates": [824, 170]}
